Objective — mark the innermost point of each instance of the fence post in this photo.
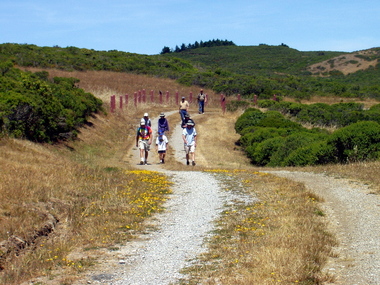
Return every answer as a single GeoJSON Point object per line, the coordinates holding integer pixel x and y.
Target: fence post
{"type": "Point", "coordinates": [238, 97]}
{"type": "Point", "coordinates": [113, 103]}
{"type": "Point", "coordinates": [135, 98]}
{"type": "Point", "coordinates": [223, 102]}
{"type": "Point", "coordinates": [160, 97]}
{"type": "Point", "coordinates": [121, 102]}
{"type": "Point", "coordinates": [151, 96]}
{"type": "Point", "coordinates": [139, 96]}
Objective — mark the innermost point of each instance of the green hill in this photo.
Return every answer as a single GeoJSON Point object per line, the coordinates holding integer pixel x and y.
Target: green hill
{"type": "Point", "coordinates": [255, 60]}
{"type": "Point", "coordinates": [247, 70]}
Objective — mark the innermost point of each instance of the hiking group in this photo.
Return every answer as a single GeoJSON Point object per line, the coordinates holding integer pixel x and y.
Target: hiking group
{"type": "Point", "coordinates": [144, 135]}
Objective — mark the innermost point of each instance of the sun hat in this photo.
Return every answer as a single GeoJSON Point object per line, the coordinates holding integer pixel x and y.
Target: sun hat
{"type": "Point", "coordinates": [142, 122]}
{"type": "Point", "coordinates": [162, 115]}
{"type": "Point", "coordinates": [146, 115]}
{"type": "Point", "coordinates": [183, 97]}
{"type": "Point", "coordinates": [161, 132]}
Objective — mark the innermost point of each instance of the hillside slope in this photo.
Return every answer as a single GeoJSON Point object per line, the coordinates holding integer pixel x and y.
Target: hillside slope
{"type": "Point", "coordinates": [347, 63]}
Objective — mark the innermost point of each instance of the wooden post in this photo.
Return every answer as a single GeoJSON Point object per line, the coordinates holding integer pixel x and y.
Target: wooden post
{"type": "Point", "coordinates": [223, 102]}
{"type": "Point", "coordinates": [135, 97]}
{"type": "Point", "coordinates": [160, 97]}
{"type": "Point", "coordinates": [121, 102]}
{"type": "Point", "coordinates": [177, 98]}
{"type": "Point", "coordinates": [113, 103]}
{"type": "Point", "coordinates": [151, 96]}
{"type": "Point", "coordinates": [238, 97]}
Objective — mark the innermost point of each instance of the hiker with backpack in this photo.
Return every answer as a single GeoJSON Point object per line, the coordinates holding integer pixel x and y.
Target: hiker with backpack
{"type": "Point", "coordinates": [201, 102]}
{"type": "Point", "coordinates": [144, 138]}
{"type": "Point", "coordinates": [183, 108]}
{"type": "Point", "coordinates": [147, 120]}
{"type": "Point", "coordinates": [189, 136]}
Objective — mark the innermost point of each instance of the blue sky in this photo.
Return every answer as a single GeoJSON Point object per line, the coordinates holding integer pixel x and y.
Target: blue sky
{"type": "Point", "coordinates": [145, 27]}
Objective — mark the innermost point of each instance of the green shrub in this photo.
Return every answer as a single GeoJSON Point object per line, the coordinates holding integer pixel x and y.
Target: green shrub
{"type": "Point", "coordinates": [311, 154]}
{"type": "Point", "coordinates": [291, 144]}
{"type": "Point", "coordinates": [33, 108]}
{"type": "Point", "coordinates": [357, 142]}
{"type": "Point", "coordinates": [261, 153]}
{"type": "Point", "coordinates": [249, 118]}
{"type": "Point", "coordinates": [275, 120]}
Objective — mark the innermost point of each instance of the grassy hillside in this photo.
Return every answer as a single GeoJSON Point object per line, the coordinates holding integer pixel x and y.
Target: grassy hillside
{"type": "Point", "coordinates": [255, 60]}
{"type": "Point", "coordinates": [252, 70]}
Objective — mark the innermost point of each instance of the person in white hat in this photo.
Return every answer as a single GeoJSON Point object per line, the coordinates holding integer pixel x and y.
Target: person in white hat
{"type": "Point", "coordinates": [147, 120]}
{"type": "Point", "coordinates": [189, 136]}
{"type": "Point", "coordinates": [144, 137]}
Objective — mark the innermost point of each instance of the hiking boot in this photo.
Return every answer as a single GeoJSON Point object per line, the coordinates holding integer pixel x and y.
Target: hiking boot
{"type": "Point", "coordinates": [187, 162]}
{"type": "Point", "coordinates": [193, 163]}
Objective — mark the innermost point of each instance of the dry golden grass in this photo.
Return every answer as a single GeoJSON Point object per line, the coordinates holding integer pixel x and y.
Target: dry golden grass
{"type": "Point", "coordinates": [90, 187]}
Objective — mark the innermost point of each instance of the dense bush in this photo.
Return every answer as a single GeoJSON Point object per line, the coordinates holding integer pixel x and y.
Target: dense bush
{"type": "Point", "coordinates": [357, 142]}
{"type": "Point", "coordinates": [254, 117]}
{"type": "Point", "coordinates": [271, 140]}
{"type": "Point", "coordinates": [33, 108]}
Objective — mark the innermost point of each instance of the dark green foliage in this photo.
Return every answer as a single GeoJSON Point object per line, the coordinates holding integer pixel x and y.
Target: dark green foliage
{"type": "Point", "coordinates": [357, 142]}
{"type": "Point", "coordinates": [254, 117]}
{"type": "Point", "coordinates": [285, 153]}
{"type": "Point", "coordinates": [249, 118]}
{"type": "Point", "coordinates": [212, 43]}
{"type": "Point", "coordinates": [271, 140]}
{"type": "Point", "coordinates": [33, 108]}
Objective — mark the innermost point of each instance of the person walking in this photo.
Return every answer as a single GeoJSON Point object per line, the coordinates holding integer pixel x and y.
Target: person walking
{"type": "Point", "coordinates": [144, 137]}
{"type": "Point", "coordinates": [162, 143]}
{"type": "Point", "coordinates": [189, 136]}
{"type": "Point", "coordinates": [147, 120]}
{"type": "Point", "coordinates": [183, 108]}
{"type": "Point", "coordinates": [201, 102]}
{"type": "Point", "coordinates": [187, 119]}
{"type": "Point", "coordinates": [163, 123]}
